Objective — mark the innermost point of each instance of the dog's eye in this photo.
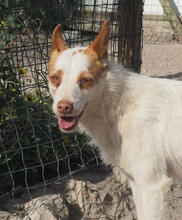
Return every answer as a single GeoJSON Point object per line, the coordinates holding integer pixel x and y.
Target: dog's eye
{"type": "Point", "coordinates": [55, 79]}
{"type": "Point", "coordinates": [85, 83]}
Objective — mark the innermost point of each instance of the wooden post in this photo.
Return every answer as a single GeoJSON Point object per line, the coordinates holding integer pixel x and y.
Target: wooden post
{"type": "Point", "coordinates": [130, 33]}
{"type": "Point", "coordinates": [172, 17]}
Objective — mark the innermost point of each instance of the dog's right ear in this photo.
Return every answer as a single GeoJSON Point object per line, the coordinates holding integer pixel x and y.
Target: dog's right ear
{"type": "Point", "coordinates": [58, 43]}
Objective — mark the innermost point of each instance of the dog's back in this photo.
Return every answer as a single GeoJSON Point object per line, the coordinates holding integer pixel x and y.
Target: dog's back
{"type": "Point", "coordinates": [155, 118]}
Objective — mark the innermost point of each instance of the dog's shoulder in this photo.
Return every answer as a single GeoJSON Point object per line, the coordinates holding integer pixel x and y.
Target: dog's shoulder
{"type": "Point", "coordinates": [141, 96]}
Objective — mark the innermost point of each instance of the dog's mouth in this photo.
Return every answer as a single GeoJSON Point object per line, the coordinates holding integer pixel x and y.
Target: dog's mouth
{"type": "Point", "coordinates": [68, 123]}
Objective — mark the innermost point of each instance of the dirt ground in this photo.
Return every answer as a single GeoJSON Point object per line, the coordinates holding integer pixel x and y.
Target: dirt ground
{"type": "Point", "coordinates": [162, 59]}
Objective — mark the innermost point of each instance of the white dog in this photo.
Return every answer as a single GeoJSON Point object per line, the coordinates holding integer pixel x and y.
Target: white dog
{"type": "Point", "coordinates": [135, 120]}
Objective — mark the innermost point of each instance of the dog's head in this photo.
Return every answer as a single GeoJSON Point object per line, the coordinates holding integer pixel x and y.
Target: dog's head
{"type": "Point", "coordinates": [75, 75]}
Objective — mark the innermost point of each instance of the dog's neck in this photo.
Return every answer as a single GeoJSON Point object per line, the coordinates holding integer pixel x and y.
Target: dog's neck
{"type": "Point", "coordinates": [103, 113]}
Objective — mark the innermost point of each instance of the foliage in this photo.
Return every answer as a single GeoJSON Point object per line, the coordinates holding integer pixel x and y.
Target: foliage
{"type": "Point", "coordinates": [32, 149]}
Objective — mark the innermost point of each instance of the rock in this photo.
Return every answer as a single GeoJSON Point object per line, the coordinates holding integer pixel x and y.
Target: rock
{"type": "Point", "coordinates": [47, 207]}
{"type": "Point", "coordinates": [119, 175]}
{"type": "Point", "coordinates": [88, 200]}
{"type": "Point", "coordinates": [8, 216]}
{"type": "Point", "coordinates": [111, 200]}
{"type": "Point", "coordinates": [106, 198]}
{"type": "Point", "coordinates": [87, 196]}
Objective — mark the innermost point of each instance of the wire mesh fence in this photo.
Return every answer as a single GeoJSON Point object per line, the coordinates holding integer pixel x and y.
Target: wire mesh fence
{"type": "Point", "coordinates": [162, 22]}
{"type": "Point", "coordinates": [33, 152]}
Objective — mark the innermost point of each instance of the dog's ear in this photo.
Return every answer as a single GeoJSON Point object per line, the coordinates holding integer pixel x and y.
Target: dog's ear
{"type": "Point", "coordinates": [58, 42]}
{"type": "Point", "coordinates": [100, 44]}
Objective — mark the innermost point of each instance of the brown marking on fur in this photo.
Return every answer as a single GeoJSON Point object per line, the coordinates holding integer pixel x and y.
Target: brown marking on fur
{"type": "Point", "coordinates": [77, 51]}
{"type": "Point", "coordinates": [88, 79]}
{"type": "Point", "coordinates": [100, 44]}
{"type": "Point", "coordinates": [56, 78]}
{"type": "Point", "coordinates": [58, 43]}
{"type": "Point", "coordinates": [80, 50]}
{"type": "Point", "coordinates": [85, 80]}
{"type": "Point", "coordinates": [53, 59]}
{"type": "Point", "coordinates": [95, 67]}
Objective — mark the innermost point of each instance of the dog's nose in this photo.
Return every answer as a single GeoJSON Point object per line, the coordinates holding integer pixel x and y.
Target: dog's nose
{"type": "Point", "coordinates": [64, 107]}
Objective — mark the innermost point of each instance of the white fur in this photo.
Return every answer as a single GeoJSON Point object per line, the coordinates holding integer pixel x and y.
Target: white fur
{"type": "Point", "coordinates": [137, 123]}
{"type": "Point", "coordinates": [72, 66]}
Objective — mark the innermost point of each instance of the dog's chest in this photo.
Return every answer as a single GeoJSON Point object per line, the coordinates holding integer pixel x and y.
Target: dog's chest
{"type": "Point", "coordinates": [105, 137]}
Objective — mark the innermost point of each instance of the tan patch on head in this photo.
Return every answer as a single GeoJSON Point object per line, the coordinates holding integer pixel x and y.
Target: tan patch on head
{"type": "Point", "coordinates": [53, 59]}
{"type": "Point", "coordinates": [77, 51]}
{"type": "Point", "coordinates": [95, 67]}
{"type": "Point", "coordinates": [56, 78]}
{"type": "Point", "coordinates": [85, 80]}
{"type": "Point", "coordinates": [80, 50]}
{"type": "Point", "coordinates": [88, 79]}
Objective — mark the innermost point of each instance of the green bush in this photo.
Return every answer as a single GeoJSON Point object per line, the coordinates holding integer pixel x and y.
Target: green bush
{"type": "Point", "coordinates": [32, 148]}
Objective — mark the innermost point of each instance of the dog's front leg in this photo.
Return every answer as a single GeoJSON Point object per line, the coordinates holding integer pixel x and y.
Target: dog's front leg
{"type": "Point", "coordinates": [153, 202]}
{"type": "Point", "coordinates": [150, 201]}
{"type": "Point", "coordinates": [137, 200]}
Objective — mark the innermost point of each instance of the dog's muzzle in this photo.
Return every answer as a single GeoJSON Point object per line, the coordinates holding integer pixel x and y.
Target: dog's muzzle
{"type": "Point", "coordinates": [68, 123]}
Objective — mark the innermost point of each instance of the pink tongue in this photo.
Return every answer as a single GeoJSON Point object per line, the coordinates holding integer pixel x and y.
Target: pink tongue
{"type": "Point", "coordinates": [66, 123]}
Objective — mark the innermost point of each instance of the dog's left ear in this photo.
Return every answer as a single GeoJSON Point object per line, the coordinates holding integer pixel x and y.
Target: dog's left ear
{"type": "Point", "coordinates": [100, 44]}
{"type": "Point", "coordinates": [58, 43]}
